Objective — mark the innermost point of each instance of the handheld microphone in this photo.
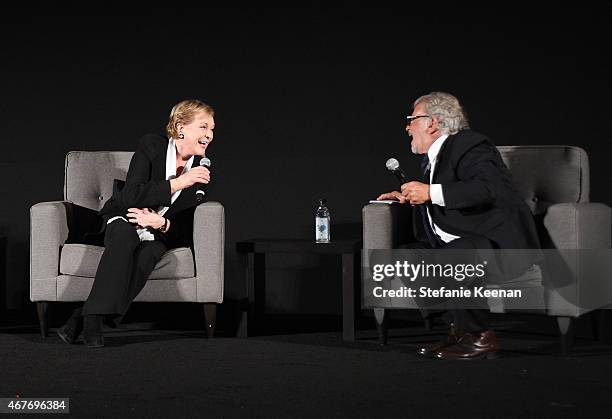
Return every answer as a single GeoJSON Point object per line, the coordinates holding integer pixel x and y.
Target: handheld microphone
{"type": "Point", "coordinates": [200, 192]}
{"type": "Point", "coordinates": [394, 167]}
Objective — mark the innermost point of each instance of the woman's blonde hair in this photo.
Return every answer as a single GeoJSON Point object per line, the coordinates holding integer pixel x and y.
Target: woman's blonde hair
{"type": "Point", "coordinates": [184, 112]}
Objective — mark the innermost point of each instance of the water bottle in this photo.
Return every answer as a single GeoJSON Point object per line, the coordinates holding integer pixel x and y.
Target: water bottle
{"type": "Point", "coordinates": [322, 223]}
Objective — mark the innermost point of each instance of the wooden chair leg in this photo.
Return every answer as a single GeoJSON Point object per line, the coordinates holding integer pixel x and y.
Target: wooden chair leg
{"type": "Point", "coordinates": [41, 309]}
{"type": "Point", "coordinates": [381, 317]}
{"type": "Point", "coordinates": [210, 317]}
{"type": "Point", "coordinates": [566, 333]}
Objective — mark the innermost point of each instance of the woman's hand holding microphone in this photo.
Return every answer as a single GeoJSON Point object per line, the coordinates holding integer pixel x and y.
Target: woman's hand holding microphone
{"type": "Point", "coordinates": [145, 217]}
{"type": "Point", "coordinates": [195, 175]}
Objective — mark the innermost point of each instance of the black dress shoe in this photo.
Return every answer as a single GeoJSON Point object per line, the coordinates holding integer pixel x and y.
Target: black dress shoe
{"type": "Point", "coordinates": [431, 349]}
{"type": "Point", "coordinates": [92, 331]}
{"type": "Point", "coordinates": [70, 331]}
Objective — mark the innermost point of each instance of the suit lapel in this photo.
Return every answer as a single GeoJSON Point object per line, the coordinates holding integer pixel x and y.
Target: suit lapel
{"type": "Point", "coordinates": [187, 198]}
{"type": "Point", "coordinates": [442, 157]}
{"type": "Point", "coordinates": [158, 165]}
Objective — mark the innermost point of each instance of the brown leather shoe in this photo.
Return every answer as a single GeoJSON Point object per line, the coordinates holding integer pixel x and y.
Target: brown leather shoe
{"type": "Point", "coordinates": [472, 346]}
{"type": "Point", "coordinates": [431, 349]}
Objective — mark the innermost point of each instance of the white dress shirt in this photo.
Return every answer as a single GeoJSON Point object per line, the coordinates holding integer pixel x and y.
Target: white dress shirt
{"type": "Point", "coordinates": [435, 190]}
{"type": "Point", "coordinates": [143, 233]}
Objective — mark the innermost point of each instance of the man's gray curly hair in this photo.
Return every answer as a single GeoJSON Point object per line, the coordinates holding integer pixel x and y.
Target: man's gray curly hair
{"type": "Point", "coordinates": [447, 110]}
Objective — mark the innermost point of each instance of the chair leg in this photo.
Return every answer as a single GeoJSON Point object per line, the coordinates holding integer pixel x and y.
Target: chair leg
{"type": "Point", "coordinates": [41, 309]}
{"type": "Point", "coordinates": [566, 333]}
{"type": "Point", "coordinates": [381, 317]}
{"type": "Point", "coordinates": [242, 311]}
{"type": "Point", "coordinates": [599, 325]}
{"type": "Point", "coordinates": [210, 317]}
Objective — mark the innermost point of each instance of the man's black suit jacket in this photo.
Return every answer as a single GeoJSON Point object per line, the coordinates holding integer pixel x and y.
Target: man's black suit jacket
{"type": "Point", "coordinates": [481, 200]}
{"type": "Point", "coordinates": [146, 187]}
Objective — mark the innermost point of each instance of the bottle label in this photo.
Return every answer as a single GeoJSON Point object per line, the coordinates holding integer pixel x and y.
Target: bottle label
{"type": "Point", "coordinates": [322, 229]}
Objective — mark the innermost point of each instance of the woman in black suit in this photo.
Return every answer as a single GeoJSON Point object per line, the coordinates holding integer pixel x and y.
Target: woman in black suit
{"type": "Point", "coordinates": [149, 213]}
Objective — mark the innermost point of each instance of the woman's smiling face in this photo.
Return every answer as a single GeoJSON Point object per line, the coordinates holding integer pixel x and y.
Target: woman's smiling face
{"type": "Point", "coordinates": [198, 134]}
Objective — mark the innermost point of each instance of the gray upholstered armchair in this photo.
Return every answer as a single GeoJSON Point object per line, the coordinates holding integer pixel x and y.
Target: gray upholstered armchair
{"type": "Point", "coordinates": [554, 180]}
{"type": "Point", "coordinates": [62, 269]}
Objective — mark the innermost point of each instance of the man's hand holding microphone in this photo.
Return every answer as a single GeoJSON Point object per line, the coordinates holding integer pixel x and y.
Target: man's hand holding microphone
{"type": "Point", "coordinates": [414, 192]}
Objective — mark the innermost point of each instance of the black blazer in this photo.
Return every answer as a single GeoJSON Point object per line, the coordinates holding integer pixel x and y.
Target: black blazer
{"type": "Point", "coordinates": [480, 198]}
{"type": "Point", "coordinates": [146, 187]}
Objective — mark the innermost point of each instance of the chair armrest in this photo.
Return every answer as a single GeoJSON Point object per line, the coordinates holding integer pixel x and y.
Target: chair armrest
{"type": "Point", "coordinates": [386, 226]}
{"type": "Point", "coordinates": [48, 232]}
{"type": "Point", "coordinates": [578, 280]}
{"type": "Point", "coordinates": [209, 249]}
{"type": "Point", "coordinates": [579, 225]}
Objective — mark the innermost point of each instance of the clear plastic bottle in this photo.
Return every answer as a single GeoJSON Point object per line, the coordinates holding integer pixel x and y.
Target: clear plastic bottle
{"type": "Point", "coordinates": [322, 223]}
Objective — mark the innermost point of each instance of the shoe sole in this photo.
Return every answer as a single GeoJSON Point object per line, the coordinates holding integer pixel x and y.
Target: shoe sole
{"type": "Point", "coordinates": [487, 355]}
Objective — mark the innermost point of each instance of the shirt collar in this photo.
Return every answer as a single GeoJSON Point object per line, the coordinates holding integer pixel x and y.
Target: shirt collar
{"type": "Point", "coordinates": [171, 160]}
{"type": "Point", "coordinates": [434, 149]}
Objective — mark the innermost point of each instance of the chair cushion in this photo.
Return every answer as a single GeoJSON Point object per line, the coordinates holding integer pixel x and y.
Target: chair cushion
{"type": "Point", "coordinates": [83, 259]}
{"type": "Point", "coordinates": [88, 177]}
{"type": "Point", "coordinates": [548, 174]}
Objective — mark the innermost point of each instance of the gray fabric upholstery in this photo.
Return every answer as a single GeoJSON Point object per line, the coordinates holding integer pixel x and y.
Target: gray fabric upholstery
{"type": "Point", "coordinates": [386, 226]}
{"type": "Point", "coordinates": [83, 259]}
{"type": "Point", "coordinates": [61, 271]}
{"type": "Point", "coordinates": [88, 177]}
{"type": "Point", "coordinates": [76, 288]}
{"type": "Point", "coordinates": [578, 225]}
{"type": "Point", "coordinates": [48, 232]}
{"type": "Point", "coordinates": [208, 245]}
{"type": "Point", "coordinates": [545, 175]}
{"type": "Point", "coordinates": [554, 181]}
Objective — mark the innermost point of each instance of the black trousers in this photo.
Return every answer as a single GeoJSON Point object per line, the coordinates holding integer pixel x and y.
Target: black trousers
{"type": "Point", "coordinates": [464, 320]}
{"type": "Point", "coordinates": [123, 270]}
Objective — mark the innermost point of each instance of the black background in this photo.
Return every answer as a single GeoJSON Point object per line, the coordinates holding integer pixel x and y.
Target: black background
{"type": "Point", "coordinates": [310, 102]}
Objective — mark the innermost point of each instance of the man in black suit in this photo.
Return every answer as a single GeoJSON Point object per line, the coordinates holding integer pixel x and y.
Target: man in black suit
{"type": "Point", "coordinates": [149, 213]}
{"type": "Point", "coordinates": [465, 200]}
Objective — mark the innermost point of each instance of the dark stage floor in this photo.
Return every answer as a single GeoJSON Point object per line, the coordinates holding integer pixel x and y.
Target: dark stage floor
{"type": "Point", "coordinates": [296, 372]}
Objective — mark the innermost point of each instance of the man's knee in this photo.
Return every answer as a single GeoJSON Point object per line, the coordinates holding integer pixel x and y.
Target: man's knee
{"type": "Point", "coordinates": [120, 231]}
{"type": "Point", "coordinates": [152, 251]}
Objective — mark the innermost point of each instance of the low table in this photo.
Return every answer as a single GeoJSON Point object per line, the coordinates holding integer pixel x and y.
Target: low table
{"type": "Point", "coordinates": [255, 250]}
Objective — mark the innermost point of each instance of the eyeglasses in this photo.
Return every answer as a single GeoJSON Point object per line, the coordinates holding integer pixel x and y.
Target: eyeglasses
{"type": "Point", "coordinates": [411, 118]}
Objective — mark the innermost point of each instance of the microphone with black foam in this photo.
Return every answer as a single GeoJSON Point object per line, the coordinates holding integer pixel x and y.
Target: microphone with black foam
{"type": "Point", "coordinates": [394, 167]}
{"type": "Point", "coordinates": [201, 191]}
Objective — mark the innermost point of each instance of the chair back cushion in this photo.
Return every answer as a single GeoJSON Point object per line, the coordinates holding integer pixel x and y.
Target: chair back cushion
{"type": "Point", "coordinates": [548, 174]}
{"type": "Point", "coordinates": [89, 175]}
